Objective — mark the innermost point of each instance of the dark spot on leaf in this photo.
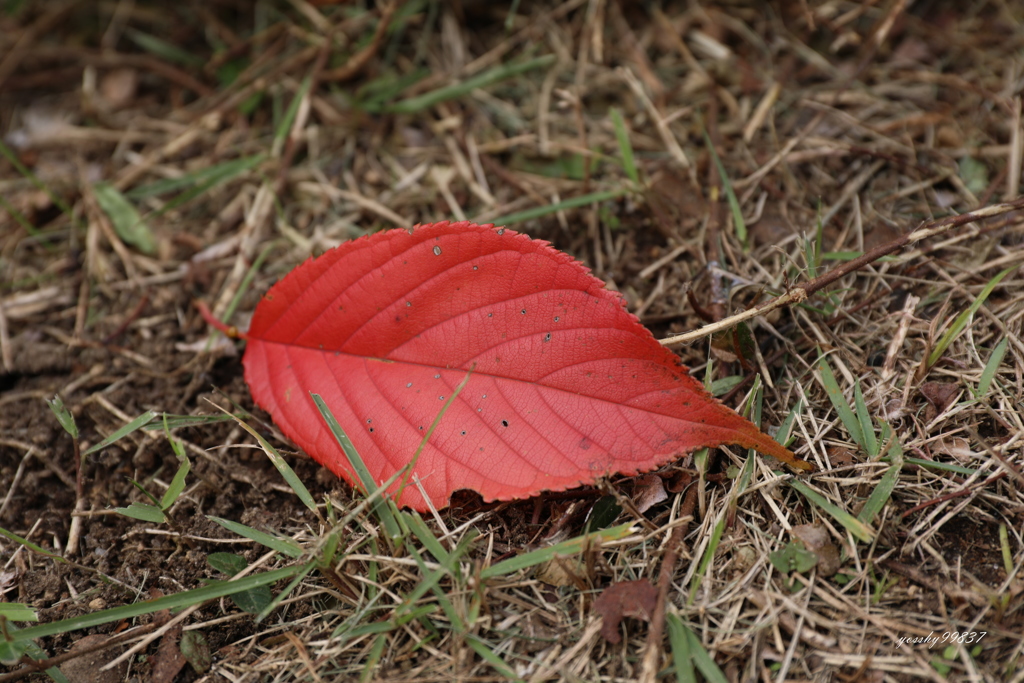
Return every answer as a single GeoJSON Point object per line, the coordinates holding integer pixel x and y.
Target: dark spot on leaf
{"type": "Point", "coordinates": [440, 398]}
{"type": "Point", "coordinates": [409, 385]}
{"type": "Point", "coordinates": [463, 432]}
{"type": "Point", "coordinates": [437, 250]}
{"type": "Point", "coordinates": [556, 318]}
{"type": "Point", "coordinates": [501, 231]}
{"type": "Point", "coordinates": [490, 315]}
{"type": "Point", "coordinates": [585, 443]}
{"type": "Point", "coordinates": [369, 420]}
{"type": "Point", "coordinates": [408, 303]}
{"type": "Point", "coordinates": [437, 376]}
{"type": "Point", "coordinates": [371, 430]}
{"type": "Point", "coordinates": [421, 428]}
{"type": "Point", "coordinates": [476, 267]}
{"type": "Point", "coordinates": [547, 338]}
{"type": "Point", "coordinates": [504, 423]}
{"type": "Point", "coordinates": [523, 311]}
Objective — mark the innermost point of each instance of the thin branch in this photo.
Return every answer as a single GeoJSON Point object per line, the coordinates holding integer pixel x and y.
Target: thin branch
{"type": "Point", "coordinates": [802, 291]}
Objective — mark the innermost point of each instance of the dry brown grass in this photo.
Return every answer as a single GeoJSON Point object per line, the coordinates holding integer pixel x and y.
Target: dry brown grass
{"type": "Point", "coordinates": [844, 123]}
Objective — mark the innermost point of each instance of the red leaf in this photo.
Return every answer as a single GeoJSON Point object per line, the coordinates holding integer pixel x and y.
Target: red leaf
{"type": "Point", "coordinates": [566, 387]}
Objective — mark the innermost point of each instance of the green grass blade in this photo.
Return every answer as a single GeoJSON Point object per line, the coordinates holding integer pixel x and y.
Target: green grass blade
{"type": "Point", "coordinates": [164, 50]}
{"type": "Point", "coordinates": [867, 429]}
{"type": "Point", "coordinates": [542, 555]}
{"type": "Point", "coordinates": [284, 126]}
{"type": "Point", "coordinates": [705, 664]}
{"type": "Point", "coordinates": [705, 560]}
{"type": "Point", "coordinates": [11, 651]}
{"type": "Point", "coordinates": [280, 597]}
{"type": "Point", "coordinates": [420, 529]}
{"type": "Point", "coordinates": [819, 239]}
{"type": "Point", "coordinates": [137, 423]}
{"type": "Point", "coordinates": [243, 289]}
{"type": "Point", "coordinates": [177, 421]}
{"type": "Point", "coordinates": [250, 275]}
{"type": "Point", "coordinates": [883, 491]}
{"type": "Point", "coordinates": [282, 467]}
{"type": "Point", "coordinates": [498, 73]}
{"type": "Point", "coordinates": [859, 529]}
{"type": "Point", "coordinates": [1007, 552]}
{"type": "Point", "coordinates": [127, 222]}
{"type": "Point", "coordinates": [835, 395]}
{"type": "Point", "coordinates": [369, 486]}
{"type": "Point", "coordinates": [734, 204]}
{"type": "Point", "coordinates": [64, 417]}
{"type": "Point", "coordinates": [682, 657]}
{"type": "Point", "coordinates": [283, 545]}
{"type": "Point", "coordinates": [625, 147]}
{"type": "Point", "coordinates": [144, 512]}
{"type": "Point", "coordinates": [177, 484]}
{"type": "Point", "coordinates": [11, 536]}
{"type": "Point", "coordinates": [785, 433]}
{"type": "Point", "coordinates": [203, 177]}
{"type": "Point", "coordinates": [961, 320]}
{"type": "Point", "coordinates": [489, 656]}
{"type": "Point", "coordinates": [373, 659]}
{"type": "Point", "coordinates": [945, 466]}
{"type": "Point", "coordinates": [142, 489]}
{"type": "Point", "coordinates": [721, 387]}
{"type": "Point", "coordinates": [171, 602]}
{"type": "Point", "coordinates": [17, 611]}
{"type": "Point", "coordinates": [432, 578]}
{"type": "Point", "coordinates": [25, 172]}
{"type": "Point", "coordinates": [25, 223]}
{"type": "Point", "coordinates": [431, 582]}
{"type": "Point", "coordinates": [572, 203]}
{"type": "Point", "coordinates": [992, 367]}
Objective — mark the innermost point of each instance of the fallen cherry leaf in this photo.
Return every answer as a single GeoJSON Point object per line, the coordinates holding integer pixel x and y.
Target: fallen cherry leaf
{"type": "Point", "coordinates": [566, 386]}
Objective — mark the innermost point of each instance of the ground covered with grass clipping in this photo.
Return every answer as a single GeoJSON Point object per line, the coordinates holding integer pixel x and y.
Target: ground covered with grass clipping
{"type": "Point", "coordinates": [700, 159]}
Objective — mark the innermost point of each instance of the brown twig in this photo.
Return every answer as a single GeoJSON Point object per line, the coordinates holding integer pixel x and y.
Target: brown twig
{"type": "Point", "coordinates": [947, 588]}
{"type": "Point", "coordinates": [129, 319]}
{"type": "Point", "coordinates": [359, 60]}
{"type": "Point", "coordinates": [652, 652]}
{"type": "Point", "coordinates": [959, 493]}
{"type": "Point", "coordinates": [804, 290]}
{"type": "Point", "coordinates": [37, 666]}
{"type": "Point", "coordinates": [23, 46]}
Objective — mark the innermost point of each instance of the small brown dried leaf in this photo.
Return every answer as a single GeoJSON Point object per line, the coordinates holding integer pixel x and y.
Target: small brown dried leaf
{"type": "Point", "coordinates": [955, 446]}
{"type": "Point", "coordinates": [625, 599]}
{"type": "Point", "coordinates": [940, 394]}
{"type": "Point", "coordinates": [817, 540]}
{"type": "Point", "coordinates": [648, 491]}
{"type": "Point", "coordinates": [89, 667]}
{"type": "Point", "coordinates": [168, 660]}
